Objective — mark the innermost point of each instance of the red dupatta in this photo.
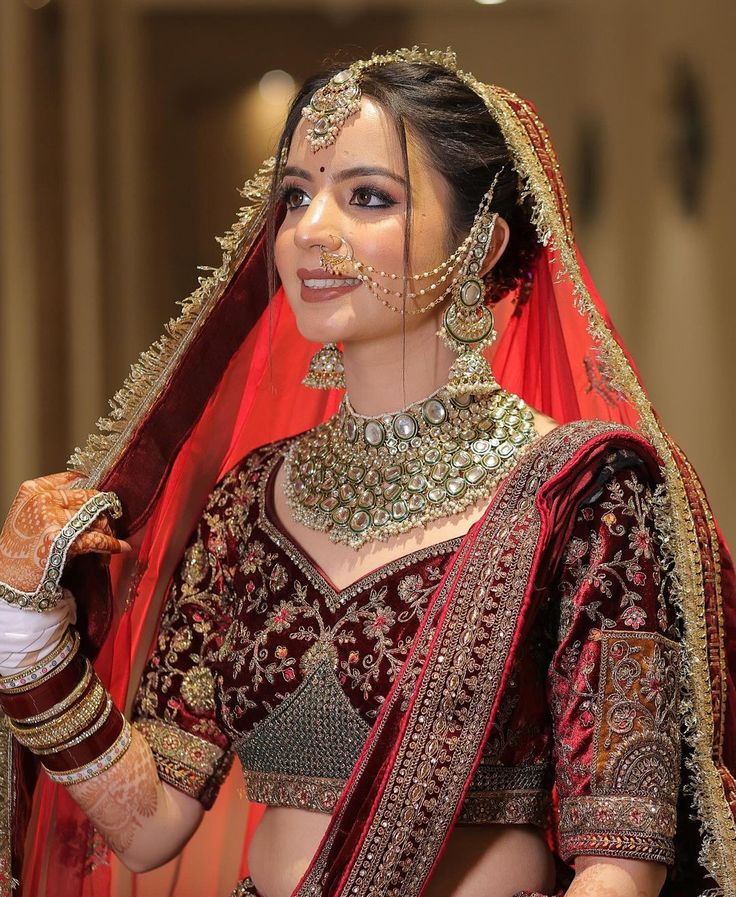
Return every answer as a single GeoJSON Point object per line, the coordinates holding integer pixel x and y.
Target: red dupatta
{"type": "Point", "coordinates": [225, 377]}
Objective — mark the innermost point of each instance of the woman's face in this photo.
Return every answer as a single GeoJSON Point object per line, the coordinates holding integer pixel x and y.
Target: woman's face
{"type": "Point", "coordinates": [355, 190]}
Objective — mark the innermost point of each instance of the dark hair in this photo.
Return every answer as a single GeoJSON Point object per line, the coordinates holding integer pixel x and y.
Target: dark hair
{"type": "Point", "coordinates": [459, 138]}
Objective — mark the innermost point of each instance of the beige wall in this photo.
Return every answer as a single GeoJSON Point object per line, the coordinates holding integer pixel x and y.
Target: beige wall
{"type": "Point", "coordinates": [123, 137]}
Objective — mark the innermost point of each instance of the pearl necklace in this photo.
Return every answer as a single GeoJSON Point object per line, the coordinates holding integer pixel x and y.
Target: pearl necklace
{"type": "Point", "coordinates": [363, 478]}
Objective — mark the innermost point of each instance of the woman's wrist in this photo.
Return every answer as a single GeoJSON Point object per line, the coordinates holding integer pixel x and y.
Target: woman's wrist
{"type": "Point", "coordinates": [60, 711]}
{"type": "Point", "coordinates": [29, 676]}
{"type": "Point", "coordinates": [28, 638]}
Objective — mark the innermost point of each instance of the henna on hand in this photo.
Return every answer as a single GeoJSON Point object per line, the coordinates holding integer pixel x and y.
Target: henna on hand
{"type": "Point", "coordinates": [117, 801]}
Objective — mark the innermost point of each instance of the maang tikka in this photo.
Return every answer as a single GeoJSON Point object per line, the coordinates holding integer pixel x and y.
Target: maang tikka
{"type": "Point", "coordinates": [331, 105]}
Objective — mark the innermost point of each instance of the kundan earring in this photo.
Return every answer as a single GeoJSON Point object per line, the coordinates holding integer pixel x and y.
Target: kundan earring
{"type": "Point", "coordinates": [467, 326]}
{"type": "Point", "coordinates": [326, 370]}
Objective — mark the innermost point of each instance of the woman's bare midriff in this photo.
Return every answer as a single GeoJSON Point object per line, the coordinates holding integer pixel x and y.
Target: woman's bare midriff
{"type": "Point", "coordinates": [479, 860]}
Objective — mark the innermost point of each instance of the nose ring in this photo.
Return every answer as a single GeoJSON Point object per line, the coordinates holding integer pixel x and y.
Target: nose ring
{"type": "Point", "coordinates": [335, 261]}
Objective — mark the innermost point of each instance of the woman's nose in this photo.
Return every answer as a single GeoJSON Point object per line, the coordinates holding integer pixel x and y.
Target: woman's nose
{"type": "Point", "coordinates": [318, 226]}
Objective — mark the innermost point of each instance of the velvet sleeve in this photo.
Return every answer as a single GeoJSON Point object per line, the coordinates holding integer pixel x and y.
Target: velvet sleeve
{"type": "Point", "coordinates": [613, 684]}
{"type": "Point", "coordinates": [177, 704]}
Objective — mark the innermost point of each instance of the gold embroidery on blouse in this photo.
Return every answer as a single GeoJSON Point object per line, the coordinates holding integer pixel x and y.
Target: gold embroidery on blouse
{"type": "Point", "coordinates": [636, 746]}
{"type": "Point", "coordinates": [198, 689]}
{"type": "Point", "coordinates": [426, 779]}
{"type": "Point", "coordinates": [183, 760]}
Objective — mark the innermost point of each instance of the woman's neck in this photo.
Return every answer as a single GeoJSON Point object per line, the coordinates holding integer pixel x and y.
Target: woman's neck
{"type": "Point", "coordinates": [388, 373]}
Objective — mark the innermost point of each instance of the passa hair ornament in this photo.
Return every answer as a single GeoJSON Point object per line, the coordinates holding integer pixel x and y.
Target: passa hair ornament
{"type": "Point", "coordinates": [332, 105]}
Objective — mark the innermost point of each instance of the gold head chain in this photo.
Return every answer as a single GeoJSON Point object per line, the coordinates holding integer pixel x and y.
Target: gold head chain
{"type": "Point", "coordinates": [332, 105]}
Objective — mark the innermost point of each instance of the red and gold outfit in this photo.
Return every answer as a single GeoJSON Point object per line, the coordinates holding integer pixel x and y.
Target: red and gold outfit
{"type": "Point", "coordinates": [546, 641]}
{"type": "Point", "coordinates": [258, 654]}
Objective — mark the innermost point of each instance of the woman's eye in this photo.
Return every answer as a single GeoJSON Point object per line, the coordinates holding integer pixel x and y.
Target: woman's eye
{"type": "Point", "coordinates": [294, 197]}
{"type": "Point", "coordinates": [371, 198]}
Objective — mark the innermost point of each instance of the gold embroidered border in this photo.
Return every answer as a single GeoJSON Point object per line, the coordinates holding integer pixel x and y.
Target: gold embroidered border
{"type": "Point", "coordinates": [512, 806]}
{"type": "Point", "coordinates": [588, 814]}
{"type": "Point", "coordinates": [304, 792]}
{"type": "Point", "coordinates": [7, 795]}
{"type": "Point", "coordinates": [636, 846]}
{"type": "Point", "coordinates": [450, 714]}
{"type": "Point", "coordinates": [186, 761]}
{"type": "Point", "coordinates": [718, 666]}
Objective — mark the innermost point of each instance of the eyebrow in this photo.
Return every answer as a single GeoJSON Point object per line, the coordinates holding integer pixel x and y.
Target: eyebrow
{"type": "Point", "coordinates": [359, 171]}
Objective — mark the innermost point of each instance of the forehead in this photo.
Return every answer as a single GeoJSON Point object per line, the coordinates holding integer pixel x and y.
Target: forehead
{"type": "Point", "coordinates": [369, 137]}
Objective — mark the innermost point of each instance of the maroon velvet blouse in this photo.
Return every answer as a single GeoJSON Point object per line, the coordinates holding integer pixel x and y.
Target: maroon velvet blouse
{"type": "Point", "coordinates": [258, 654]}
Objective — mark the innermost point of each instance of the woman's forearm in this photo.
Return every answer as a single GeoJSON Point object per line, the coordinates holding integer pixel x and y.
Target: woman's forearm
{"type": "Point", "coordinates": [145, 821]}
{"type": "Point", "coordinates": [604, 877]}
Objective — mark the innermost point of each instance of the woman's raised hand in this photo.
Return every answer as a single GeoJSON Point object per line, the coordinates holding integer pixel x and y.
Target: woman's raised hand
{"type": "Point", "coordinates": [50, 521]}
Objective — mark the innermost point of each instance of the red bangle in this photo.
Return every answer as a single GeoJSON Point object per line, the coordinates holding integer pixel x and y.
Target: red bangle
{"type": "Point", "coordinates": [46, 694]}
{"type": "Point", "coordinates": [89, 749]}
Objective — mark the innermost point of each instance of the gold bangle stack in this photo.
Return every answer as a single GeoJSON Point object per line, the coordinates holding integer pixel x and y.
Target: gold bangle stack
{"type": "Point", "coordinates": [96, 767]}
{"type": "Point", "coordinates": [85, 733]}
{"type": "Point", "coordinates": [49, 736]}
{"type": "Point", "coordinates": [60, 710]}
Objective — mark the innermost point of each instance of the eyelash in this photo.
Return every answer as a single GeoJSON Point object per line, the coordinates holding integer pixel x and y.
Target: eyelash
{"type": "Point", "coordinates": [385, 200]}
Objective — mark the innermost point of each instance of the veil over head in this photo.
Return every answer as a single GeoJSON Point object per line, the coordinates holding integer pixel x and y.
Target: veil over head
{"type": "Point", "coordinates": [225, 378]}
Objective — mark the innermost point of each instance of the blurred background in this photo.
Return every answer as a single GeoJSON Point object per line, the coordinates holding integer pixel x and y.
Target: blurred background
{"type": "Point", "coordinates": [127, 125]}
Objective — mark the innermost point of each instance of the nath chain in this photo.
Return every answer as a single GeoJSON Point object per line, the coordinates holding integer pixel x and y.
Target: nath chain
{"type": "Point", "coordinates": [334, 263]}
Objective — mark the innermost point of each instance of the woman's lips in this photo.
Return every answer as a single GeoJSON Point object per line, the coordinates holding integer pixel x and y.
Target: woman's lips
{"type": "Point", "coordinates": [318, 286]}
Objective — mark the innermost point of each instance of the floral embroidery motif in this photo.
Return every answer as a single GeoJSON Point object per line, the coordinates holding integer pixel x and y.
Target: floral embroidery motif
{"type": "Point", "coordinates": [630, 514]}
{"type": "Point", "coordinates": [198, 689]}
{"type": "Point", "coordinates": [617, 678]}
{"type": "Point", "coordinates": [637, 740]}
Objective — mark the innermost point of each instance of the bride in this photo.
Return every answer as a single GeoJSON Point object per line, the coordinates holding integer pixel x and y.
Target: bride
{"type": "Point", "coordinates": [448, 616]}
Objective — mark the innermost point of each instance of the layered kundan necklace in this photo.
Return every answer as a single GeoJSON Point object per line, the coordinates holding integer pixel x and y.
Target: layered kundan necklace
{"type": "Point", "coordinates": [365, 478]}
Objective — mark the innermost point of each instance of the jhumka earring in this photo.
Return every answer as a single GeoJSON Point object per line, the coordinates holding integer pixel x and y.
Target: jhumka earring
{"type": "Point", "coordinates": [326, 370]}
{"type": "Point", "coordinates": [467, 326]}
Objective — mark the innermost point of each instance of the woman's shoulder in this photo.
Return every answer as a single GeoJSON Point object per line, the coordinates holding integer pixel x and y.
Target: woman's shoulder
{"type": "Point", "coordinates": [243, 480]}
{"type": "Point", "coordinates": [577, 459]}
{"type": "Point", "coordinates": [579, 441]}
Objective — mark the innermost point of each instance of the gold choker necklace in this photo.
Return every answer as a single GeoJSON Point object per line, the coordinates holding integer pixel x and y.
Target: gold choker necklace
{"type": "Point", "coordinates": [370, 478]}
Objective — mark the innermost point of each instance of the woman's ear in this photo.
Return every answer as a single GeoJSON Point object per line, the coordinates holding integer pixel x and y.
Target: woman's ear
{"type": "Point", "coordinates": [499, 242]}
